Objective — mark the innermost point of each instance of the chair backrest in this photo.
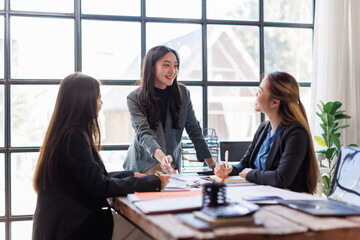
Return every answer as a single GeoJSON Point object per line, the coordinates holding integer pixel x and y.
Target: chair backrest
{"type": "Point", "coordinates": [236, 150]}
{"type": "Point", "coordinates": [345, 184]}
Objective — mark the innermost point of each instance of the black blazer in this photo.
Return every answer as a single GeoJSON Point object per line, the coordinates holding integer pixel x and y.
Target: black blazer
{"type": "Point", "coordinates": [285, 166]}
{"type": "Point", "coordinates": [75, 206]}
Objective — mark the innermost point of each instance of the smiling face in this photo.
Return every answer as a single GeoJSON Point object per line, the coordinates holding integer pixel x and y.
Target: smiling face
{"type": "Point", "coordinates": [165, 71]}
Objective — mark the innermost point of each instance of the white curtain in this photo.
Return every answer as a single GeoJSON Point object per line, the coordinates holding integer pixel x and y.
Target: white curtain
{"type": "Point", "coordinates": [337, 63]}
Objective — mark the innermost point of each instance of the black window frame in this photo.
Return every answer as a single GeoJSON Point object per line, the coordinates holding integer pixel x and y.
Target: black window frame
{"type": "Point", "coordinates": [7, 149]}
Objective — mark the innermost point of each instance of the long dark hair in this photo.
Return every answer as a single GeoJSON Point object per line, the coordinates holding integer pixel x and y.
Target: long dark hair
{"type": "Point", "coordinates": [147, 95]}
{"type": "Point", "coordinates": [285, 88]}
{"type": "Point", "coordinates": [75, 108]}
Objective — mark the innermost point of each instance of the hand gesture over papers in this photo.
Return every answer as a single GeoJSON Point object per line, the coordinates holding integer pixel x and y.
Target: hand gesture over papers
{"type": "Point", "coordinates": [163, 178]}
{"type": "Point", "coordinates": [222, 170]}
{"type": "Point", "coordinates": [165, 164]}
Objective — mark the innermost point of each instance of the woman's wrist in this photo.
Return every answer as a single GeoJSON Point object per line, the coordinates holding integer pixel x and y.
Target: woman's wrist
{"type": "Point", "coordinates": [210, 162]}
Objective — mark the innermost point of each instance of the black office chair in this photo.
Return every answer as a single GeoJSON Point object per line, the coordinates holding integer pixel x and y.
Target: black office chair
{"type": "Point", "coordinates": [236, 150]}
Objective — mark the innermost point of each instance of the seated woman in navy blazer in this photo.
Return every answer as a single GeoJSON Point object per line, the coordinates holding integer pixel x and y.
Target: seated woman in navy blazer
{"type": "Point", "coordinates": [282, 152]}
{"type": "Point", "coordinates": [70, 177]}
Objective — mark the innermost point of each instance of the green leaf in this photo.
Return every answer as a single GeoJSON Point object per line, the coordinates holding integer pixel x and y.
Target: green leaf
{"type": "Point", "coordinates": [320, 141]}
{"type": "Point", "coordinates": [339, 112]}
{"type": "Point", "coordinates": [321, 107]}
{"type": "Point", "coordinates": [331, 107]}
{"type": "Point", "coordinates": [335, 140]}
{"type": "Point", "coordinates": [345, 126]}
{"type": "Point", "coordinates": [353, 145]}
{"type": "Point", "coordinates": [329, 153]}
{"type": "Point", "coordinates": [321, 151]}
{"type": "Point", "coordinates": [326, 184]}
{"type": "Point", "coordinates": [342, 116]}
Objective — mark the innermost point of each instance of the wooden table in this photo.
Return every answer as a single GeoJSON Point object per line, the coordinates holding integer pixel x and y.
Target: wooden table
{"type": "Point", "coordinates": [279, 222]}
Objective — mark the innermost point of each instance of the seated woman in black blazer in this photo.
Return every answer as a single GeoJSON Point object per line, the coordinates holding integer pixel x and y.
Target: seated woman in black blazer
{"type": "Point", "coordinates": [282, 152]}
{"type": "Point", "coordinates": [70, 177]}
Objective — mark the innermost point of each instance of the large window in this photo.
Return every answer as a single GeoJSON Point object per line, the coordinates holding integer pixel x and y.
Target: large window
{"type": "Point", "coordinates": [224, 47]}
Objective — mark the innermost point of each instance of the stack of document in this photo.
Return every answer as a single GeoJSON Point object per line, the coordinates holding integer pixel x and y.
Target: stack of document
{"type": "Point", "coordinates": [160, 202]}
{"type": "Point", "coordinates": [227, 215]}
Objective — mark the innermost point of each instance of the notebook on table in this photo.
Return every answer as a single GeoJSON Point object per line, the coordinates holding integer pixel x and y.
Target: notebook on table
{"type": "Point", "coordinates": [322, 207]}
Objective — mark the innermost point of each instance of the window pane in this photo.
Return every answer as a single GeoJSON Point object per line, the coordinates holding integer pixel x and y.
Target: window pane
{"type": "Point", "coordinates": [2, 44]}
{"type": "Point", "coordinates": [107, 53]}
{"type": "Point", "coordinates": [45, 52]}
{"type": "Point", "coordinates": [2, 186]}
{"type": "Point", "coordinates": [2, 4]}
{"type": "Point", "coordinates": [296, 11]}
{"type": "Point", "coordinates": [113, 160]}
{"type": "Point", "coordinates": [289, 50]}
{"type": "Point", "coordinates": [21, 230]}
{"type": "Point", "coordinates": [114, 116]}
{"type": "Point", "coordinates": [31, 110]}
{"type": "Point", "coordinates": [305, 97]}
{"type": "Point", "coordinates": [2, 230]}
{"type": "Point", "coordinates": [185, 39]}
{"type": "Point", "coordinates": [196, 96]}
{"type": "Point", "coordinates": [232, 114]}
{"type": "Point", "coordinates": [233, 53]}
{"type": "Point", "coordinates": [43, 5]}
{"type": "Point", "coordinates": [111, 7]}
{"type": "Point", "coordinates": [23, 196]}
{"type": "Point", "coordinates": [233, 9]}
{"type": "Point", "coordinates": [1, 115]}
{"type": "Point", "coordinates": [173, 8]}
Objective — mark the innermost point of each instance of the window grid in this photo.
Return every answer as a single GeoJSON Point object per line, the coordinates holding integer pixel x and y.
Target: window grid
{"type": "Point", "coordinates": [77, 16]}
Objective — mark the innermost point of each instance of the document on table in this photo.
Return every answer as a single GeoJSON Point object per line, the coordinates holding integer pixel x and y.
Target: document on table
{"type": "Point", "coordinates": [246, 192]}
{"type": "Point", "coordinates": [170, 204]}
{"type": "Point", "coordinates": [146, 196]}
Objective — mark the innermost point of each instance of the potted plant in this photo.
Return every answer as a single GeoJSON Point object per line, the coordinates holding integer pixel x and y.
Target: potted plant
{"type": "Point", "coordinates": [330, 139]}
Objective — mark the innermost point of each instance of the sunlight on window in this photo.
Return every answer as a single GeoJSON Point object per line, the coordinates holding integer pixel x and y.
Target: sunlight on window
{"type": "Point", "coordinates": [32, 107]}
{"type": "Point", "coordinates": [232, 114]}
{"type": "Point", "coordinates": [233, 9]}
{"type": "Point", "coordinates": [185, 39]}
{"type": "Point", "coordinates": [173, 8]}
{"type": "Point", "coordinates": [22, 172]}
{"type": "Point", "coordinates": [114, 116]}
{"type": "Point", "coordinates": [48, 52]}
{"type": "Point", "coordinates": [43, 5]}
{"type": "Point", "coordinates": [1, 115]}
{"type": "Point", "coordinates": [2, 37]}
{"type": "Point", "coordinates": [109, 53]}
{"type": "Point", "coordinates": [233, 53]}
{"type": "Point", "coordinates": [2, 187]}
{"type": "Point", "coordinates": [289, 11]}
{"type": "Point", "coordinates": [113, 160]}
{"type": "Point", "coordinates": [289, 50]}
{"type": "Point", "coordinates": [111, 7]}
{"type": "Point", "coordinates": [2, 230]}
{"type": "Point", "coordinates": [21, 230]}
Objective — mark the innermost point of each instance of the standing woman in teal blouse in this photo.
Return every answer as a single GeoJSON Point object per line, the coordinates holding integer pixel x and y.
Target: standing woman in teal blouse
{"type": "Point", "coordinates": [282, 152]}
{"type": "Point", "coordinates": [160, 110]}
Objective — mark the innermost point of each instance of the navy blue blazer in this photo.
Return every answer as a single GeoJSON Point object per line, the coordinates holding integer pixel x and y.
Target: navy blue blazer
{"type": "Point", "coordinates": [285, 166]}
{"type": "Point", "coordinates": [75, 206]}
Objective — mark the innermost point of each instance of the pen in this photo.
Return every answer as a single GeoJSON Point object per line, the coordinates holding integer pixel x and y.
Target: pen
{"type": "Point", "coordinates": [176, 178]}
{"type": "Point", "coordinates": [226, 166]}
{"type": "Point", "coordinates": [167, 162]}
{"type": "Point", "coordinates": [226, 158]}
